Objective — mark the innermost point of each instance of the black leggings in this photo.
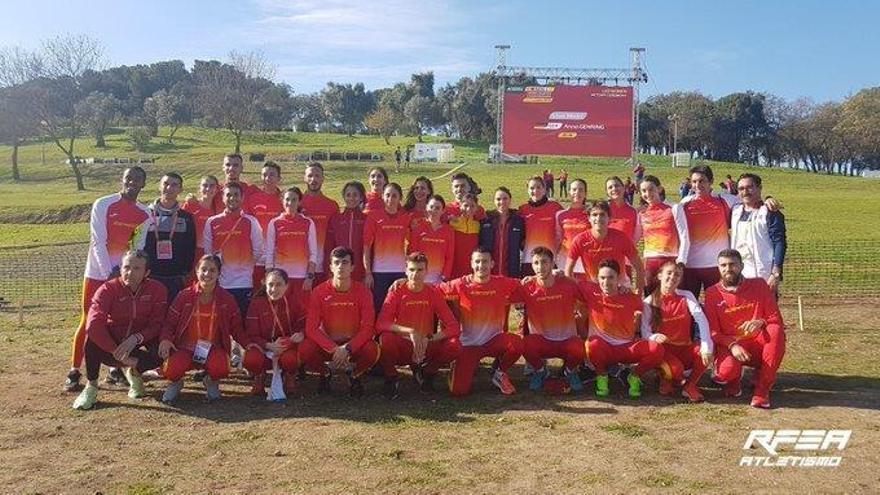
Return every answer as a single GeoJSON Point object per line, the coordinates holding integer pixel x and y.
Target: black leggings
{"type": "Point", "coordinates": [148, 359]}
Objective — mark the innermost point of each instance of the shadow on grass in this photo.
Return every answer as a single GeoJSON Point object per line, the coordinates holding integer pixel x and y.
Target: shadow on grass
{"type": "Point", "coordinates": [792, 391]}
{"type": "Point", "coordinates": [238, 406]}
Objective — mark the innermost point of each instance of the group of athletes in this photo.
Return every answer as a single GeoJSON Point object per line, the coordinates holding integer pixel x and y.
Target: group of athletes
{"type": "Point", "coordinates": [285, 284]}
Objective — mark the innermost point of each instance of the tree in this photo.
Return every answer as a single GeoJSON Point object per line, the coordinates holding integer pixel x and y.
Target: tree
{"type": "Point", "coordinates": [346, 105]}
{"type": "Point", "coordinates": [17, 121]}
{"type": "Point", "coordinates": [97, 110]}
{"type": "Point", "coordinates": [139, 137]}
{"type": "Point", "coordinates": [860, 123]}
{"type": "Point", "coordinates": [228, 98]}
{"type": "Point", "coordinates": [383, 121]}
{"type": "Point", "coordinates": [307, 112]}
{"type": "Point", "coordinates": [420, 113]}
{"type": "Point", "coordinates": [67, 59]}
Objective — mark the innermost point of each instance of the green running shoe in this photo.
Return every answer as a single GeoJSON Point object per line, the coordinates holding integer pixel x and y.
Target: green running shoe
{"type": "Point", "coordinates": [602, 386]}
{"type": "Point", "coordinates": [135, 383]}
{"type": "Point", "coordinates": [635, 386]}
{"type": "Point", "coordinates": [87, 398]}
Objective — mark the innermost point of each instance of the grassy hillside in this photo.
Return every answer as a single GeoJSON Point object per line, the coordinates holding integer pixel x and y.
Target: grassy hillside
{"type": "Point", "coordinates": [817, 207]}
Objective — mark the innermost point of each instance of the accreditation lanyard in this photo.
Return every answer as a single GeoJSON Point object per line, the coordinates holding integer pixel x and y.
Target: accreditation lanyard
{"type": "Point", "coordinates": [199, 329]}
{"type": "Point", "coordinates": [173, 224]}
{"type": "Point", "coordinates": [277, 322]}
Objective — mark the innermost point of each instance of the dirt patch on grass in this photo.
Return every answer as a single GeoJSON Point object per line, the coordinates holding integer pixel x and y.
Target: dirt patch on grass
{"type": "Point", "coordinates": [487, 443]}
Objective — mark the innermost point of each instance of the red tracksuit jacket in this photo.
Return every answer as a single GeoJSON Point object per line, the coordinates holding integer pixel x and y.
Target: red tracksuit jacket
{"type": "Point", "coordinates": [336, 318]}
{"type": "Point", "coordinates": [228, 318]}
{"type": "Point", "coordinates": [726, 310]}
{"type": "Point", "coordinates": [260, 325]}
{"type": "Point", "coordinates": [116, 313]}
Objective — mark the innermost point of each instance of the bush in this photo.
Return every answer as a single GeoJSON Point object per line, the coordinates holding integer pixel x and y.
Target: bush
{"type": "Point", "coordinates": [139, 137]}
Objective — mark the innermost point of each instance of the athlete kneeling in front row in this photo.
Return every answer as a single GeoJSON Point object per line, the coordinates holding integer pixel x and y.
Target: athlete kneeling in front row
{"type": "Point", "coordinates": [615, 320]}
{"type": "Point", "coordinates": [482, 301]}
{"type": "Point", "coordinates": [198, 331]}
{"type": "Point", "coordinates": [407, 327]}
{"type": "Point", "coordinates": [273, 331]}
{"type": "Point", "coordinates": [339, 326]}
{"type": "Point", "coordinates": [667, 317]}
{"type": "Point", "coordinates": [747, 328]}
{"type": "Point", "coordinates": [550, 302]}
{"type": "Point", "coordinates": [122, 326]}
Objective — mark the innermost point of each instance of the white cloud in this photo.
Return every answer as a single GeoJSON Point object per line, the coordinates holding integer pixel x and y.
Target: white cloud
{"type": "Point", "coordinates": [374, 41]}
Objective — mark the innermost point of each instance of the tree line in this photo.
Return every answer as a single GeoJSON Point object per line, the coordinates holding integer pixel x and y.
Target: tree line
{"type": "Point", "coordinates": [63, 91]}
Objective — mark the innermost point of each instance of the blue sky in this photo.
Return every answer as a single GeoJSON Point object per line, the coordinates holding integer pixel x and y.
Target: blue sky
{"type": "Point", "coordinates": [817, 49]}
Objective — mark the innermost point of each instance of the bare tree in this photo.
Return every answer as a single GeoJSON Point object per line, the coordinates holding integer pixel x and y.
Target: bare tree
{"type": "Point", "coordinates": [18, 66]}
{"type": "Point", "coordinates": [66, 59]}
{"type": "Point", "coordinates": [253, 64]}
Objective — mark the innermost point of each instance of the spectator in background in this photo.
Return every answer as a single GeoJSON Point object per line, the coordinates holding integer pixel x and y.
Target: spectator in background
{"type": "Point", "coordinates": [729, 185]}
{"type": "Point", "coordinates": [639, 172]}
{"type": "Point", "coordinates": [684, 187]}
{"type": "Point", "coordinates": [397, 159]}
{"type": "Point", "coordinates": [171, 240]}
{"type": "Point", "coordinates": [629, 191]}
{"type": "Point", "coordinates": [758, 234]}
{"type": "Point", "coordinates": [563, 183]}
{"type": "Point", "coordinates": [407, 156]}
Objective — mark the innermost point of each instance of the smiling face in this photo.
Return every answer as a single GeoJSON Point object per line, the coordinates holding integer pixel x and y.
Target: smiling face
{"type": "Point", "coordinates": [481, 264]}
{"type": "Point", "coordinates": [700, 183]}
{"type": "Point", "coordinates": [608, 280]}
{"type": "Point", "coordinates": [731, 270]}
{"type": "Point", "coordinates": [314, 179]}
{"type": "Point", "coordinates": [649, 192]}
{"type": "Point", "coordinates": [502, 201]}
{"type": "Point", "coordinates": [377, 180]}
{"type": "Point", "coordinates": [434, 210]}
{"type": "Point", "coordinates": [352, 197]}
{"type": "Point", "coordinates": [460, 187]}
{"type": "Point", "coordinates": [415, 273]}
{"type": "Point", "coordinates": [536, 190]}
{"type": "Point", "coordinates": [271, 177]}
{"type": "Point", "coordinates": [391, 198]}
{"type": "Point", "coordinates": [232, 168]}
{"type": "Point", "coordinates": [291, 202]}
{"type": "Point", "coordinates": [614, 189]}
{"type": "Point", "coordinates": [542, 265]}
{"type": "Point", "coordinates": [275, 286]}
{"type": "Point", "coordinates": [169, 188]}
{"type": "Point", "coordinates": [749, 191]}
{"type": "Point", "coordinates": [207, 272]}
{"type": "Point", "coordinates": [421, 191]}
{"type": "Point", "coordinates": [132, 183]}
{"type": "Point", "coordinates": [578, 192]}
{"type": "Point", "coordinates": [232, 198]}
{"type": "Point", "coordinates": [599, 219]}
{"type": "Point", "coordinates": [208, 188]}
{"type": "Point", "coordinates": [669, 277]}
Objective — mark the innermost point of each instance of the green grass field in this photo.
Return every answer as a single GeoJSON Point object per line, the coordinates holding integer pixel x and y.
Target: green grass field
{"type": "Point", "coordinates": [817, 207]}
